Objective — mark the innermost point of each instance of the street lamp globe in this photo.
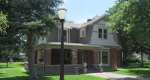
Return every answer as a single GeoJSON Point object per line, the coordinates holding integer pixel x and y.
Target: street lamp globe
{"type": "Point", "coordinates": [62, 13]}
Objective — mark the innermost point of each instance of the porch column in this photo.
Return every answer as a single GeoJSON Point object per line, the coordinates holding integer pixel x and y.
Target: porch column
{"type": "Point", "coordinates": [98, 59]}
{"type": "Point", "coordinates": [47, 57]}
{"type": "Point", "coordinates": [74, 56]}
{"type": "Point", "coordinates": [113, 52]}
{"type": "Point", "coordinates": [95, 56]}
{"type": "Point", "coordinates": [34, 55]}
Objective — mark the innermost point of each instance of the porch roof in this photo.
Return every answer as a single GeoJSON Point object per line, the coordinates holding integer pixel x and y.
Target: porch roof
{"type": "Point", "coordinates": [68, 45]}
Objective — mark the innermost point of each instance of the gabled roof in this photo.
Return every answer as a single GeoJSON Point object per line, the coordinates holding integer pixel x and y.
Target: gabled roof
{"type": "Point", "coordinates": [94, 20]}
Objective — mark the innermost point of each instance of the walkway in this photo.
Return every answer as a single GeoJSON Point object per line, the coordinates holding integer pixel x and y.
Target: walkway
{"type": "Point", "coordinates": [114, 76]}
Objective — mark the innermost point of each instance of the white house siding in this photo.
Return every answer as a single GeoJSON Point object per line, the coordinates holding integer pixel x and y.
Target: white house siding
{"type": "Point", "coordinates": [110, 41]}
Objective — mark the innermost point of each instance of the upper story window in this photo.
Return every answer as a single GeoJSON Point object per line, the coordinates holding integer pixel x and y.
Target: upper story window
{"type": "Point", "coordinates": [82, 33]}
{"type": "Point", "coordinates": [102, 33]}
{"type": "Point", "coordinates": [105, 34]}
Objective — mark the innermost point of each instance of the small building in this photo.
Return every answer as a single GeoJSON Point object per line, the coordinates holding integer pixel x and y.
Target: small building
{"type": "Point", "coordinates": [88, 47]}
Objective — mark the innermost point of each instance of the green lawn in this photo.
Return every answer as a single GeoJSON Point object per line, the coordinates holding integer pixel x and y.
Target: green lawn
{"type": "Point", "coordinates": [15, 71]}
{"type": "Point", "coordinates": [74, 77]}
{"type": "Point", "coordinates": [138, 71]}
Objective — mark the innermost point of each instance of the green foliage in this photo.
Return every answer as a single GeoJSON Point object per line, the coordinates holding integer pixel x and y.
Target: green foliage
{"type": "Point", "coordinates": [3, 22]}
{"type": "Point", "coordinates": [130, 19]}
{"type": "Point", "coordinates": [24, 17]}
{"type": "Point", "coordinates": [29, 11]}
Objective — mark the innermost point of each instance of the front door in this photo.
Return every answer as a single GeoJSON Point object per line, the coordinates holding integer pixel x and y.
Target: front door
{"type": "Point", "coordinates": [104, 57]}
{"type": "Point", "coordinates": [85, 56]}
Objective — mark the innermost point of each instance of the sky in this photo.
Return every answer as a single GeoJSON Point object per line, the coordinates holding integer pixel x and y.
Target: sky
{"type": "Point", "coordinates": [81, 10]}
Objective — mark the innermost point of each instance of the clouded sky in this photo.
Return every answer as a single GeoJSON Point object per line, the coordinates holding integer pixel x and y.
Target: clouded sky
{"type": "Point", "coordinates": [81, 10]}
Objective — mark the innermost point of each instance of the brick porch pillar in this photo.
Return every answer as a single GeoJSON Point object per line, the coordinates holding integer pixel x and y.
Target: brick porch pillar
{"type": "Point", "coordinates": [98, 60]}
{"type": "Point", "coordinates": [74, 56]}
{"type": "Point", "coordinates": [47, 57]}
{"type": "Point", "coordinates": [114, 55]}
{"type": "Point", "coordinates": [95, 56]}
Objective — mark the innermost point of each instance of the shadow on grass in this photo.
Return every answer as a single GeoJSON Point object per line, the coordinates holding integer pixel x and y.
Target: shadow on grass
{"type": "Point", "coordinates": [108, 69]}
{"type": "Point", "coordinates": [15, 78]}
{"type": "Point", "coordinates": [144, 73]}
{"type": "Point", "coordinates": [138, 70]}
{"type": "Point", "coordinates": [1, 67]}
{"type": "Point", "coordinates": [130, 67]}
{"type": "Point", "coordinates": [46, 78]}
{"type": "Point", "coordinates": [1, 74]}
{"type": "Point", "coordinates": [138, 65]}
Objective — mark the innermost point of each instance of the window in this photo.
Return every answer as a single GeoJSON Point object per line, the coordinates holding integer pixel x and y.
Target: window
{"type": "Point", "coordinates": [105, 34]}
{"type": "Point", "coordinates": [67, 57]}
{"type": "Point", "coordinates": [105, 57]}
{"type": "Point", "coordinates": [82, 33]}
{"type": "Point", "coordinates": [100, 33]}
{"type": "Point", "coordinates": [56, 56]}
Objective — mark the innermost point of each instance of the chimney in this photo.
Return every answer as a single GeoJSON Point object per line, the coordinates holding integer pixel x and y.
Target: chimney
{"type": "Point", "coordinates": [88, 20]}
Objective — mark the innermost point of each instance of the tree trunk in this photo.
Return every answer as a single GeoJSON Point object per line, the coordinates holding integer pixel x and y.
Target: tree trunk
{"type": "Point", "coordinates": [7, 63]}
{"type": "Point", "coordinates": [142, 60]}
{"type": "Point", "coordinates": [125, 58]}
{"type": "Point", "coordinates": [29, 55]}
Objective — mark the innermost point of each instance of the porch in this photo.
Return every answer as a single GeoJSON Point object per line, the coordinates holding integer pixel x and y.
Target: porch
{"type": "Point", "coordinates": [78, 58]}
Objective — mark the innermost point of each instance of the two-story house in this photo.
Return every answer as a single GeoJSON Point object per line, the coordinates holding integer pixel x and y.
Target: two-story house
{"type": "Point", "coordinates": [88, 47]}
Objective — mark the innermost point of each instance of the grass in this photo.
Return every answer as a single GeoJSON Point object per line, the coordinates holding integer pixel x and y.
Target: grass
{"type": "Point", "coordinates": [108, 69]}
{"type": "Point", "coordinates": [73, 77]}
{"type": "Point", "coordinates": [15, 71]}
{"type": "Point", "coordinates": [137, 71]}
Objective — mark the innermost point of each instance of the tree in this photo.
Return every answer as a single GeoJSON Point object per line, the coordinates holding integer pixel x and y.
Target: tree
{"type": "Point", "coordinates": [130, 19]}
{"type": "Point", "coordinates": [30, 18]}
{"type": "Point", "coordinates": [8, 39]}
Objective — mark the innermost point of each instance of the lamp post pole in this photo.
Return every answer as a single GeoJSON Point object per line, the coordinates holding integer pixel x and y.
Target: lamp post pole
{"type": "Point", "coordinates": [62, 51]}
{"type": "Point", "coordinates": [61, 15]}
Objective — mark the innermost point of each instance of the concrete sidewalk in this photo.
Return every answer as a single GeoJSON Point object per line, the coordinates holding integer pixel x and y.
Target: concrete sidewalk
{"type": "Point", "coordinates": [114, 76]}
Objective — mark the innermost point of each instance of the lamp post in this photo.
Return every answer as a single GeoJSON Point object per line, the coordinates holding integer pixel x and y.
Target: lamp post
{"type": "Point", "coordinates": [61, 14]}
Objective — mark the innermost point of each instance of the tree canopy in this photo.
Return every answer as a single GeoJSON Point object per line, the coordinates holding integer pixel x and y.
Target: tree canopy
{"type": "Point", "coordinates": [26, 16]}
{"type": "Point", "coordinates": [130, 19]}
{"type": "Point", "coordinates": [133, 18]}
{"type": "Point", "coordinates": [26, 20]}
